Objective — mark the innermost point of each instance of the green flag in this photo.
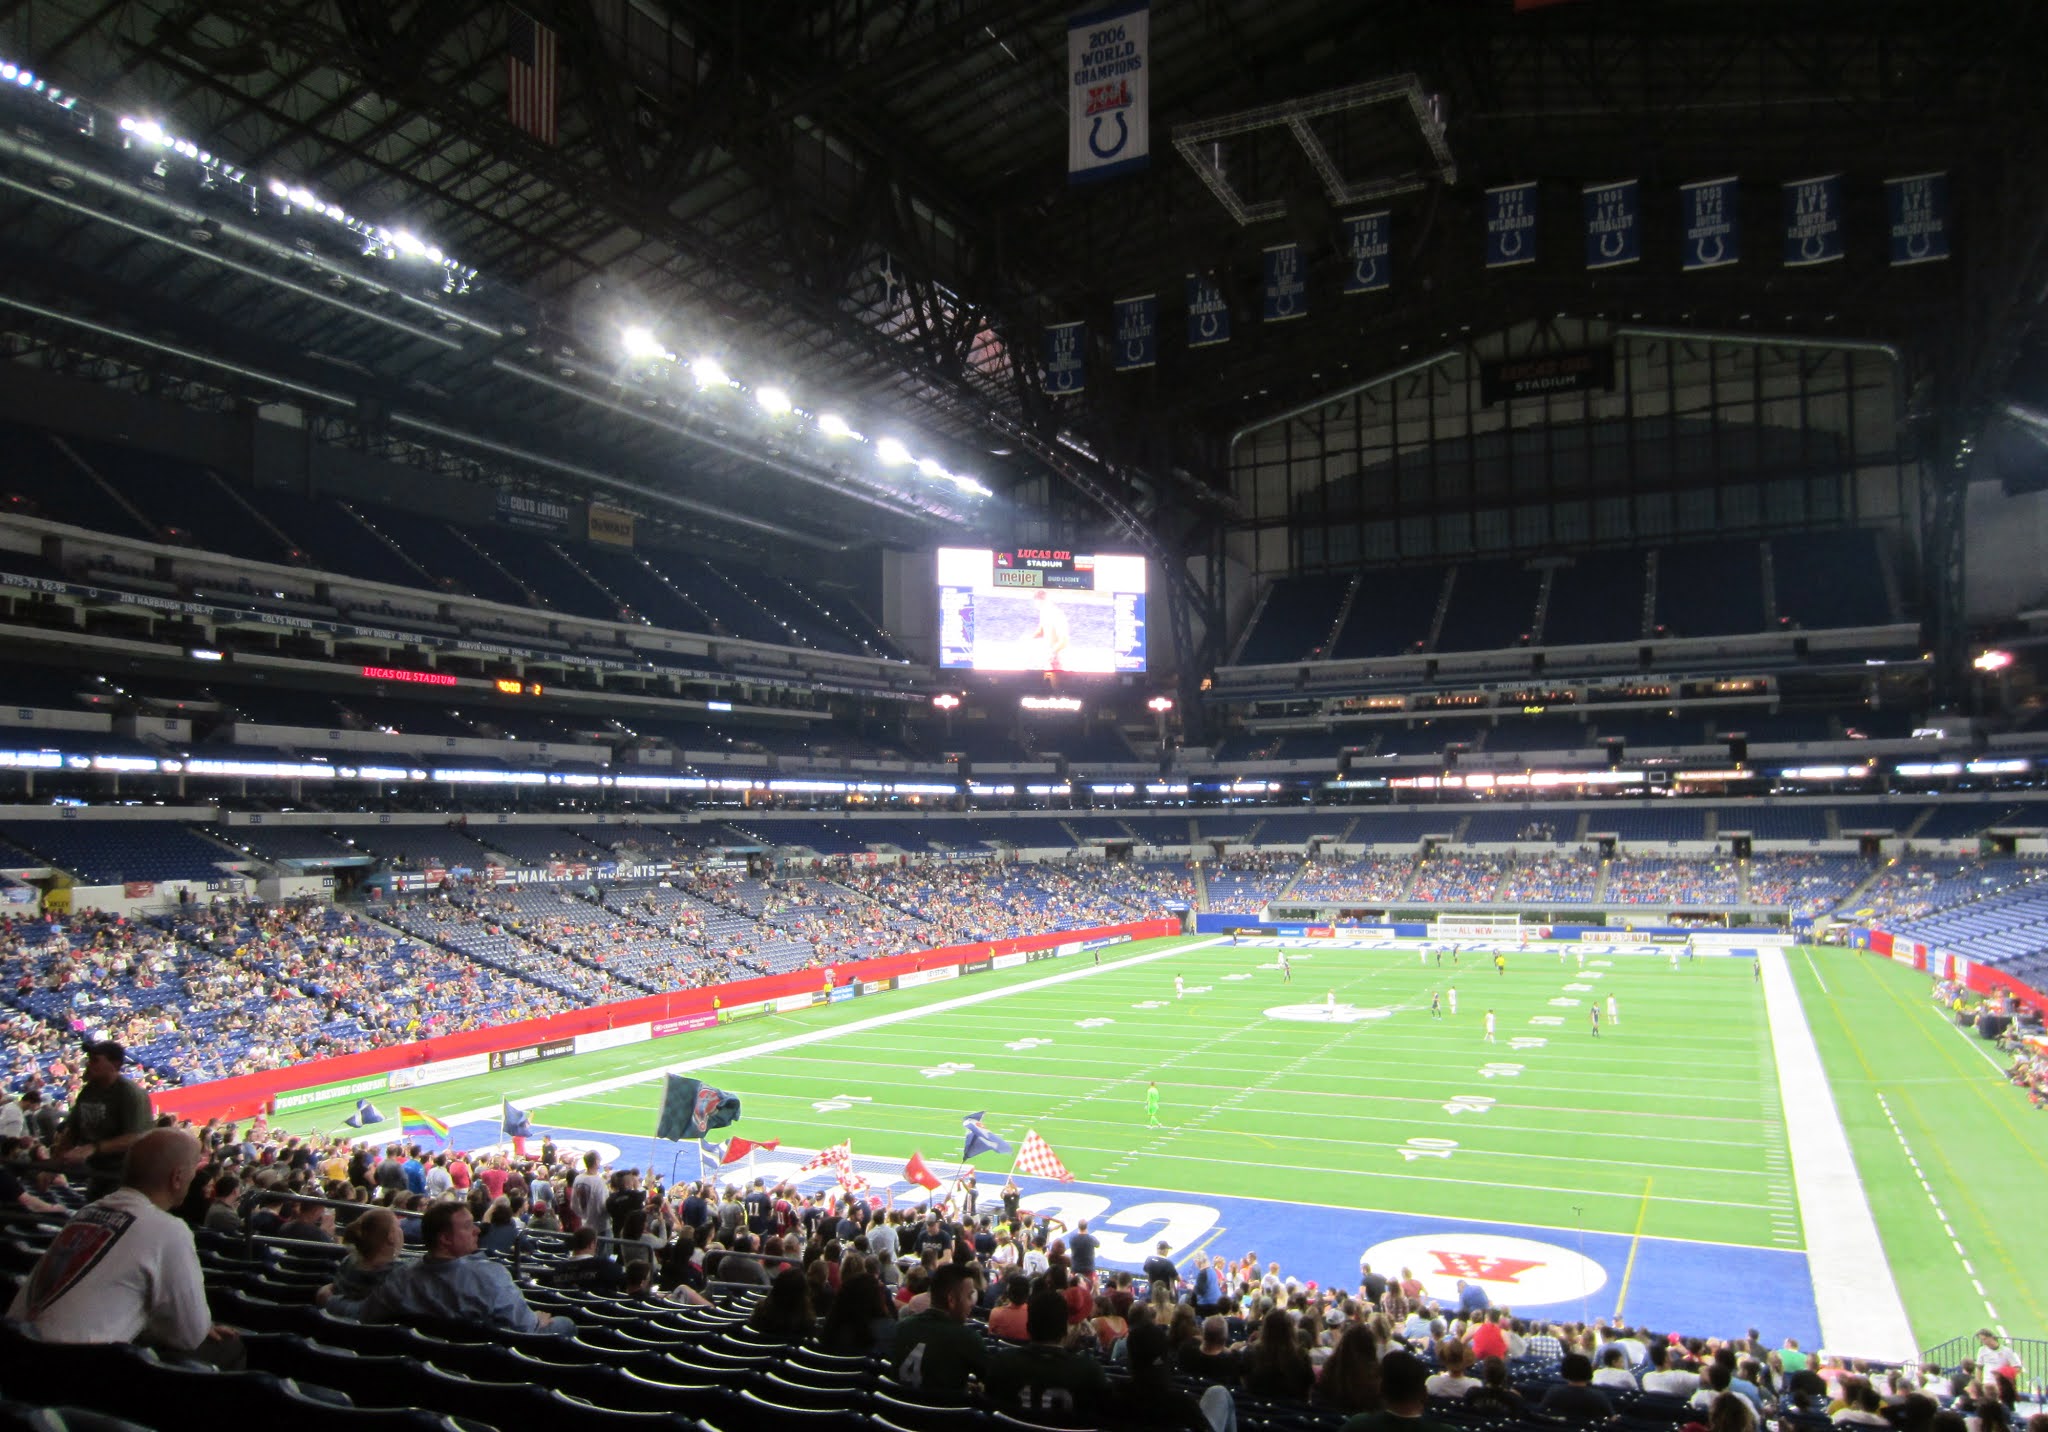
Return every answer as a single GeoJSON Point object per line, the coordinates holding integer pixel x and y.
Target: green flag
{"type": "Point", "coordinates": [690, 1109]}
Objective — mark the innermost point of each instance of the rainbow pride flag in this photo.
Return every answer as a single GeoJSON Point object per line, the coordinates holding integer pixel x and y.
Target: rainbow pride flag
{"type": "Point", "coordinates": [418, 1126]}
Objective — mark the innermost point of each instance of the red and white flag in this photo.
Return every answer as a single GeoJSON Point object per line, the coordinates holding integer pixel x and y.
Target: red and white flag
{"type": "Point", "coordinates": [532, 79]}
{"type": "Point", "coordinates": [1035, 1157]}
{"type": "Point", "coordinates": [738, 1148]}
{"type": "Point", "coordinates": [920, 1173]}
{"type": "Point", "coordinates": [838, 1156]}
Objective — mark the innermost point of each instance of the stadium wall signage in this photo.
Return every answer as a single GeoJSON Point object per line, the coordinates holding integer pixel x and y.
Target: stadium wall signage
{"type": "Point", "coordinates": [1537, 374]}
{"type": "Point", "coordinates": [513, 1058]}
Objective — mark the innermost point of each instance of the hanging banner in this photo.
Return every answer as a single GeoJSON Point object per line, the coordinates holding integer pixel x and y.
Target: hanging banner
{"type": "Point", "coordinates": [609, 525]}
{"type": "Point", "coordinates": [1108, 58]}
{"type": "Point", "coordinates": [1614, 230]}
{"type": "Point", "coordinates": [1208, 314]}
{"type": "Point", "coordinates": [1918, 210]}
{"type": "Point", "coordinates": [1711, 224]}
{"type": "Point", "coordinates": [1286, 284]}
{"type": "Point", "coordinates": [1065, 363]}
{"type": "Point", "coordinates": [1137, 332]}
{"type": "Point", "coordinates": [1813, 221]}
{"type": "Point", "coordinates": [1511, 225]}
{"type": "Point", "coordinates": [1365, 252]}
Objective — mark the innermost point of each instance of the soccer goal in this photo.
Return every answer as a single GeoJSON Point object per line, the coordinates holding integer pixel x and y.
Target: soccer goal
{"type": "Point", "coordinates": [1476, 927]}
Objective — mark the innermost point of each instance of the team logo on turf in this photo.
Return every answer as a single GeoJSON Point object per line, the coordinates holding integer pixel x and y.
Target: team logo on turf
{"type": "Point", "coordinates": [1526, 1272]}
{"type": "Point", "coordinates": [1327, 1014]}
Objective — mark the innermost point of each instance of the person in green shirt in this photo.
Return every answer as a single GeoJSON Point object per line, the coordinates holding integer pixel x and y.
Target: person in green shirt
{"type": "Point", "coordinates": [936, 1350]}
{"type": "Point", "coordinates": [1404, 1385]}
{"type": "Point", "coordinates": [110, 1113]}
{"type": "Point", "coordinates": [1790, 1357]}
{"type": "Point", "coordinates": [1042, 1381]}
{"type": "Point", "coordinates": [1152, 1105]}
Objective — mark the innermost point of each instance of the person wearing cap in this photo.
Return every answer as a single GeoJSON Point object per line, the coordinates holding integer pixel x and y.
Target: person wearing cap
{"type": "Point", "coordinates": [110, 1113]}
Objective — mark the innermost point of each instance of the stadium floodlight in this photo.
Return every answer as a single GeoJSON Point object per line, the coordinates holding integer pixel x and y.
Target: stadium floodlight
{"type": "Point", "coordinates": [1993, 661]}
{"type": "Point", "coordinates": [641, 345]}
{"type": "Point", "coordinates": [891, 452]}
{"type": "Point", "coordinates": [1159, 705]}
{"type": "Point", "coordinates": [930, 468]}
{"type": "Point", "coordinates": [946, 701]}
{"type": "Point", "coordinates": [773, 400]}
{"type": "Point", "coordinates": [834, 426]}
{"type": "Point", "coordinates": [709, 374]}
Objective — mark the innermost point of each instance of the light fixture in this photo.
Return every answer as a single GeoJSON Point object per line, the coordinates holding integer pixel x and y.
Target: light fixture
{"type": "Point", "coordinates": [891, 452]}
{"type": "Point", "coordinates": [709, 374]}
{"type": "Point", "coordinates": [1159, 705]}
{"type": "Point", "coordinates": [1993, 661]}
{"type": "Point", "coordinates": [640, 344]}
{"type": "Point", "coordinates": [930, 468]}
{"type": "Point", "coordinates": [834, 426]}
{"type": "Point", "coordinates": [946, 701]}
{"type": "Point", "coordinates": [773, 400]}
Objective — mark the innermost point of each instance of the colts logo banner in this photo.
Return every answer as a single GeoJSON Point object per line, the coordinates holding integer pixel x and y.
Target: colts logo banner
{"type": "Point", "coordinates": [1108, 70]}
{"type": "Point", "coordinates": [1208, 314]}
{"type": "Point", "coordinates": [1137, 332]}
{"type": "Point", "coordinates": [1065, 361]}
{"type": "Point", "coordinates": [1286, 284]}
{"type": "Point", "coordinates": [1918, 209]}
{"type": "Point", "coordinates": [1813, 221]}
{"type": "Point", "coordinates": [1365, 253]}
{"type": "Point", "coordinates": [1614, 233]}
{"type": "Point", "coordinates": [1712, 224]}
{"type": "Point", "coordinates": [1511, 225]}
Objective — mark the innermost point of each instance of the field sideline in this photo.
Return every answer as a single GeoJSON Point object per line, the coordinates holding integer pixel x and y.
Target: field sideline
{"type": "Point", "coordinates": [1663, 1132]}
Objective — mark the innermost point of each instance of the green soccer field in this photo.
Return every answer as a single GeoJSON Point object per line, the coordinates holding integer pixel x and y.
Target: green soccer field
{"type": "Point", "coordinates": [1667, 1125]}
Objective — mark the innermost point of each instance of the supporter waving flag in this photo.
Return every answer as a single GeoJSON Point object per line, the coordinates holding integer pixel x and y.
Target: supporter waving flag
{"type": "Point", "coordinates": [920, 1173]}
{"type": "Point", "coordinates": [1037, 1159]}
{"type": "Point", "coordinates": [365, 1115]}
{"type": "Point", "coordinates": [420, 1126]}
{"type": "Point", "coordinates": [979, 1139]}
{"type": "Point", "coordinates": [737, 1148]}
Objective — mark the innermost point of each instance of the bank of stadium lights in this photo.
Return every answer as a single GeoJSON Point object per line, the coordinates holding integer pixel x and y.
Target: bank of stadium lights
{"type": "Point", "coordinates": [22, 77]}
{"type": "Point", "coordinates": [1993, 661]}
{"type": "Point", "coordinates": [641, 345]}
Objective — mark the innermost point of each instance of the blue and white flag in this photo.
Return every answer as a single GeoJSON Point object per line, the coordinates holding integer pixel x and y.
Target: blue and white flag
{"type": "Point", "coordinates": [1286, 284]}
{"type": "Point", "coordinates": [1511, 225]}
{"type": "Point", "coordinates": [1614, 228]}
{"type": "Point", "coordinates": [716, 1152]}
{"type": "Point", "coordinates": [1066, 358]}
{"type": "Point", "coordinates": [1917, 208]}
{"type": "Point", "coordinates": [517, 1123]}
{"type": "Point", "coordinates": [1108, 107]}
{"type": "Point", "coordinates": [1813, 221]}
{"type": "Point", "coordinates": [1365, 252]}
{"type": "Point", "coordinates": [979, 1139]}
{"type": "Point", "coordinates": [365, 1115]}
{"type": "Point", "coordinates": [1208, 314]}
{"type": "Point", "coordinates": [1137, 332]}
{"type": "Point", "coordinates": [1711, 223]}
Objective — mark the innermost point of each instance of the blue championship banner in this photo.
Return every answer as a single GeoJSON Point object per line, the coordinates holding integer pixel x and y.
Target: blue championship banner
{"type": "Point", "coordinates": [1208, 314]}
{"type": "Point", "coordinates": [1813, 221]}
{"type": "Point", "coordinates": [1711, 224]}
{"type": "Point", "coordinates": [1286, 284]}
{"type": "Point", "coordinates": [1614, 228]}
{"type": "Point", "coordinates": [1065, 358]}
{"type": "Point", "coordinates": [1137, 332]}
{"type": "Point", "coordinates": [1109, 128]}
{"type": "Point", "coordinates": [1511, 225]}
{"type": "Point", "coordinates": [1917, 208]}
{"type": "Point", "coordinates": [1365, 252]}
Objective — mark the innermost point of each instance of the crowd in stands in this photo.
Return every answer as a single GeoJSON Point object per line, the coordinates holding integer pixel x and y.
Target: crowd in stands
{"type": "Point", "coordinates": [1806, 883]}
{"type": "Point", "coordinates": [1656, 880]}
{"type": "Point", "coordinates": [1370, 879]}
{"type": "Point", "coordinates": [1245, 882]}
{"type": "Point", "coordinates": [1916, 885]}
{"type": "Point", "coordinates": [1445, 876]}
{"type": "Point", "coordinates": [1570, 877]}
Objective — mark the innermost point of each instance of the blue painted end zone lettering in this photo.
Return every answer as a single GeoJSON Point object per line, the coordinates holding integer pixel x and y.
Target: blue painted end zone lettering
{"type": "Point", "coordinates": [1669, 1285]}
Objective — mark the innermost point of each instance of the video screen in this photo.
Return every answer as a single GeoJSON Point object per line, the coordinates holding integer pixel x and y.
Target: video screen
{"type": "Point", "coordinates": [1031, 609]}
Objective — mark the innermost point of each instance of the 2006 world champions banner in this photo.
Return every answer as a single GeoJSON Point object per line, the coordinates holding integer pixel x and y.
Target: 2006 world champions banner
{"type": "Point", "coordinates": [1711, 224]}
{"type": "Point", "coordinates": [1365, 253]}
{"type": "Point", "coordinates": [1108, 71]}
{"type": "Point", "coordinates": [1917, 210]}
{"type": "Point", "coordinates": [1813, 221]}
{"type": "Point", "coordinates": [1137, 332]}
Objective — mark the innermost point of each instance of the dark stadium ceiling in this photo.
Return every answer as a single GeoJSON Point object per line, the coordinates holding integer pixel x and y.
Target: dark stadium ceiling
{"type": "Point", "coordinates": [867, 202]}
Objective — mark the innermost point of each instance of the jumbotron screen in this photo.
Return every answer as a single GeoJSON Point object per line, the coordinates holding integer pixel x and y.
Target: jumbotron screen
{"type": "Point", "coordinates": [1040, 609]}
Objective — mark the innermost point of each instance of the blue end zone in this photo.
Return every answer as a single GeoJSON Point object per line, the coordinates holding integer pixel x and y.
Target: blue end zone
{"type": "Point", "coordinates": [1710, 1289]}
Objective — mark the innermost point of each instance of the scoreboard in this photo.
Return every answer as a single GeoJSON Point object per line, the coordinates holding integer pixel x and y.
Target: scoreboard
{"type": "Point", "coordinates": [1037, 609]}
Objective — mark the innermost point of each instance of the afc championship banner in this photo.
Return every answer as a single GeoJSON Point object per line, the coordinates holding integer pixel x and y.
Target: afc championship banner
{"type": "Point", "coordinates": [1065, 370]}
{"type": "Point", "coordinates": [1208, 314]}
{"type": "Point", "coordinates": [1108, 59]}
{"type": "Point", "coordinates": [1511, 225]}
{"type": "Point", "coordinates": [1286, 284]}
{"type": "Point", "coordinates": [1614, 231]}
{"type": "Point", "coordinates": [1813, 221]}
{"type": "Point", "coordinates": [1711, 225]}
{"type": "Point", "coordinates": [1917, 211]}
{"type": "Point", "coordinates": [1365, 253]}
{"type": "Point", "coordinates": [1137, 332]}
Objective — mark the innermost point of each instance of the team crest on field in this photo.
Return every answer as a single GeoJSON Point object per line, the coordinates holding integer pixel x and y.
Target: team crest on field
{"type": "Point", "coordinates": [1517, 1271]}
{"type": "Point", "coordinates": [1328, 1014]}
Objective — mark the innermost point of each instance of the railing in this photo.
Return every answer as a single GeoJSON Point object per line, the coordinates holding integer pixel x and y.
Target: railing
{"type": "Point", "coordinates": [2032, 1353]}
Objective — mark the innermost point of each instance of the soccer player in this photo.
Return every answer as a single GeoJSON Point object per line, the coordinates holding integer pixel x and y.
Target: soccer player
{"type": "Point", "coordinates": [1451, 991]}
{"type": "Point", "coordinates": [1180, 988]}
{"type": "Point", "coordinates": [1500, 963]}
{"type": "Point", "coordinates": [1330, 1004]}
{"type": "Point", "coordinates": [1594, 1010]}
{"type": "Point", "coordinates": [1152, 1105]}
{"type": "Point", "coordinates": [1489, 1026]}
{"type": "Point", "coordinates": [1582, 959]}
{"type": "Point", "coordinates": [1674, 957]}
{"type": "Point", "coordinates": [1613, 1012]}
{"type": "Point", "coordinates": [1436, 1005]}
{"type": "Point", "coordinates": [1052, 630]}
{"type": "Point", "coordinates": [1286, 970]}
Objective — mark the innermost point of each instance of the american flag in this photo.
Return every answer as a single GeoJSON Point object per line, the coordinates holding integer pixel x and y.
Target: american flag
{"type": "Point", "coordinates": [532, 83]}
{"type": "Point", "coordinates": [1035, 1157]}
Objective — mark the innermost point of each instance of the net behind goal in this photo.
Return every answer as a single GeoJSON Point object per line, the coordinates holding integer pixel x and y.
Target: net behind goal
{"type": "Point", "coordinates": [1476, 927]}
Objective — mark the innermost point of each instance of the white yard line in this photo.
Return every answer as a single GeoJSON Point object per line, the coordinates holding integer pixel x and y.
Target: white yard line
{"type": "Point", "coordinates": [818, 1036]}
{"type": "Point", "coordinates": [1861, 1314]}
{"type": "Point", "coordinates": [1940, 1216]}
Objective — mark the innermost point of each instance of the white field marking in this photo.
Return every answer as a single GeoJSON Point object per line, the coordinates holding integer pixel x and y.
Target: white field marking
{"type": "Point", "coordinates": [819, 1036]}
{"type": "Point", "coordinates": [1854, 1292]}
{"type": "Point", "coordinates": [1965, 1034]}
{"type": "Point", "coordinates": [1816, 972]}
{"type": "Point", "coordinates": [1946, 1227]}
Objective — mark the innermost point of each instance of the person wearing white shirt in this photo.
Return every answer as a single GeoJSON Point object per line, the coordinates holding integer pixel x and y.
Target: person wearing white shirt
{"type": "Point", "coordinates": [1452, 1381]}
{"type": "Point", "coordinates": [1613, 1371]}
{"type": "Point", "coordinates": [12, 1124]}
{"type": "Point", "coordinates": [1666, 1380]}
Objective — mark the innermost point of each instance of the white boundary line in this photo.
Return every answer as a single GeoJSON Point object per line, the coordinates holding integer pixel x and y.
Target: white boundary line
{"type": "Point", "coordinates": [1861, 1314]}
